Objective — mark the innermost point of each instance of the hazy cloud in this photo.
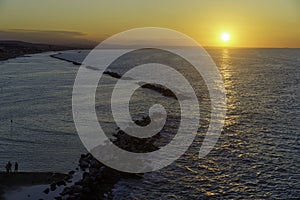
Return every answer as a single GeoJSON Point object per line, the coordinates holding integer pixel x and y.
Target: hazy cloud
{"type": "Point", "coordinates": [59, 37]}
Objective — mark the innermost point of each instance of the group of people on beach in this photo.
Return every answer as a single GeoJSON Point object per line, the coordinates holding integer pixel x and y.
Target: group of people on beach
{"type": "Point", "coordinates": [8, 167]}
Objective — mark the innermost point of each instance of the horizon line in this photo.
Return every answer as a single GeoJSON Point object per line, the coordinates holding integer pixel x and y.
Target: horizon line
{"type": "Point", "coordinates": [114, 46]}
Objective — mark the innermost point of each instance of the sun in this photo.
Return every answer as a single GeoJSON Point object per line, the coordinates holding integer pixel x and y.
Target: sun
{"type": "Point", "coordinates": [225, 37]}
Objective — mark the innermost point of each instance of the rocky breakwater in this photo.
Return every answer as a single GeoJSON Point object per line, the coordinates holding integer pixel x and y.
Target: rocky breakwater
{"type": "Point", "coordinates": [97, 180]}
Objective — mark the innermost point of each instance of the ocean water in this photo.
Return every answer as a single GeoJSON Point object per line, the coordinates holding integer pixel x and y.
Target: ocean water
{"type": "Point", "coordinates": [257, 155]}
{"type": "Point", "coordinates": [36, 94]}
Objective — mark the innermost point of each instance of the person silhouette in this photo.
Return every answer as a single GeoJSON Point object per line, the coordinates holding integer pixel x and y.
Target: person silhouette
{"type": "Point", "coordinates": [16, 166]}
{"type": "Point", "coordinates": [6, 167]}
{"type": "Point", "coordinates": [11, 125]}
{"type": "Point", "coordinates": [9, 166]}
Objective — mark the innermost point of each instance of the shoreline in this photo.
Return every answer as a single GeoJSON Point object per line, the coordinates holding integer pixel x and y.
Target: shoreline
{"type": "Point", "coordinates": [90, 180]}
{"type": "Point", "coordinates": [14, 49]}
{"type": "Point", "coordinates": [13, 181]}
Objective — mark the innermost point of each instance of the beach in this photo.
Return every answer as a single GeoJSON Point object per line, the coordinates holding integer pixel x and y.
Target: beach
{"type": "Point", "coordinates": [10, 182]}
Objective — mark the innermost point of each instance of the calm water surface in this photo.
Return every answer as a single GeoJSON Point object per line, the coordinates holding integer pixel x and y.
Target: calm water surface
{"type": "Point", "coordinates": [257, 155]}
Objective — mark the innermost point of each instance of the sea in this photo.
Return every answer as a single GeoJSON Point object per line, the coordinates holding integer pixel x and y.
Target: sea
{"type": "Point", "coordinates": [257, 155]}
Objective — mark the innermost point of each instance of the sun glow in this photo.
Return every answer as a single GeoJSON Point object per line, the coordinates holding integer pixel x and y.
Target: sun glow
{"type": "Point", "coordinates": [225, 37]}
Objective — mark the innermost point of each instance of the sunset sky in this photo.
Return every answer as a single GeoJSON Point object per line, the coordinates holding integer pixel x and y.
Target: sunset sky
{"type": "Point", "coordinates": [250, 23]}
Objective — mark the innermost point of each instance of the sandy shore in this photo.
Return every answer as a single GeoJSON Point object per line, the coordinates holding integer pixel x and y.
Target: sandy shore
{"type": "Point", "coordinates": [14, 180]}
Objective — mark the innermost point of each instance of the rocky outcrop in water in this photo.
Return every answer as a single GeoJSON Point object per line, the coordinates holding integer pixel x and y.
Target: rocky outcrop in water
{"type": "Point", "coordinates": [97, 179]}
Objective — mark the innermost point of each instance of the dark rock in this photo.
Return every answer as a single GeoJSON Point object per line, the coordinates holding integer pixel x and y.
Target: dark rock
{"type": "Point", "coordinates": [82, 156]}
{"type": "Point", "coordinates": [46, 191]}
{"type": "Point", "coordinates": [98, 179]}
{"type": "Point", "coordinates": [160, 89]}
{"type": "Point", "coordinates": [87, 181]}
{"type": "Point", "coordinates": [112, 74]}
{"type": "Point", "coordinates": [69, 181]}
{"type": "Point", "coordinates": [71, 172]}
{"type": "Point", "coordinates": [71, 197]}
{"type": "Point", "coordinates": [93, 171]}
{"type": "Point", "coordinates": [78, 182]}
{"type": "Point", "coordinates": [60, 183]}
{"type": "Point", "coordinates": [53, 186]}
{"type": "Point", "coordinates": [66, 191]}
{"type": "Point", "coordinates": [86, 190]}
{"type": "Point", "coordinates": [86, 174]}
{"type": "Point", "coordinates": [95, 163]}
{"type": "Point", "coordinates": [77, 195]}
{"type": "Point", "coordinates": [86, 196]}
{"type": "Point", "coordinates": [76, 63]}
{"type": "Point", "coordinates": [83, 164]}
{"type": "Point", "coordinates": [77, 189]}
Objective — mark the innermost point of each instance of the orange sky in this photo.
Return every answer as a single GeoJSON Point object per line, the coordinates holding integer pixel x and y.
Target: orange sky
{"type": "Point", "coordinates": [251, 23]}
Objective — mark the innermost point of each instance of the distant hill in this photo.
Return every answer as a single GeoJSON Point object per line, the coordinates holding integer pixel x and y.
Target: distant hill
{"type": "Point", "coordinates": [11, 49]}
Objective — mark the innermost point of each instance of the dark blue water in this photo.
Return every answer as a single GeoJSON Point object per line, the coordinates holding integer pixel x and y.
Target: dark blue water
{"type": "Point", "coordinates": [257, 155]}
{"type": "Point", "coordinates": [36, 92]}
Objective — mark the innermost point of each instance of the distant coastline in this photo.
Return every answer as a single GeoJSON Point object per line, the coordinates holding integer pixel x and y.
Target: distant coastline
{"type": "Point", "coordinates": [12, 49]}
